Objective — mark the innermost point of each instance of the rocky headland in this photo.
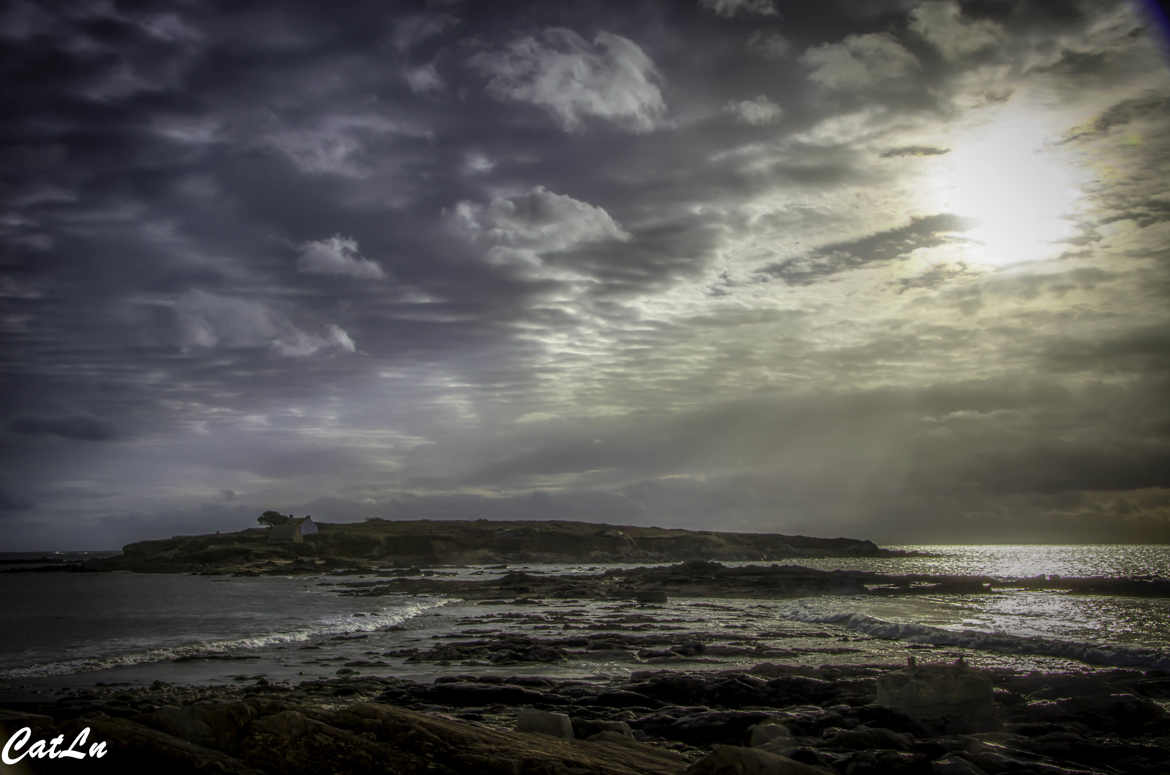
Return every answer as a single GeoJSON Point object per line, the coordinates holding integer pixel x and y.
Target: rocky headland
{"type": "Point", "coordinates": [379, 543]}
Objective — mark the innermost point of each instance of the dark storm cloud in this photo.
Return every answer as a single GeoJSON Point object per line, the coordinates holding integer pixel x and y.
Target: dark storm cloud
{"type": "Point", "coordinates": [12, 502]}
{"type": "Point", "coordinates": [933, 278]}
{"type": "Point", "coordinates": [826, 458]}
{"type": "Point", "coordinates": [914, 150]}
{"type": "Point", "coordinates": [1144, 213]}
{"type": "Point", "coordinates": [828, 260]}
{"type": "Point", "coordinates": [1142, 351]}
{"type": "Point", "coordinates": [76, 427]}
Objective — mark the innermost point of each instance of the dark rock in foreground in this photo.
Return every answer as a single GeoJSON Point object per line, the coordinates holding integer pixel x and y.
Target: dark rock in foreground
{"type": "Point", "coordinates": [947, 698]}
{"type": "Point", "coordinates": [269, 736]}
{"type": "Point", "coordinates": [768, 719]}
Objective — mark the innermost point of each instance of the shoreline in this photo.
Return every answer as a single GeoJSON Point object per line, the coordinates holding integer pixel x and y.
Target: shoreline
{"type": "Point", "coordinates": [695, 615]}
{"type": "Point", "coordinates": [711, 680]}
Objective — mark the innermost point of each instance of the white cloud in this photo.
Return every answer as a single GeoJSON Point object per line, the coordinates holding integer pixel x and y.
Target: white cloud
{"type": "Point", "coordinates": [337, 255]}
{"type": "Point", "coordinates": [859, 61]}
{"type": "Point", "coordinates": [519, 230]}
{"type": "Point", "coordinates": [211, 321]}
{"type": "Point", "coordinates": [756, 112]}
{"type": "Point", "coordinates": [611, 79]}
{"type": "Point", "coordinates": [338, 336]}
{"type": "Point", "coordinates": [337, 144]}
{"type": "Point", "coordinates": [942, 24]}
{"type": "Point", "coordinates": [736, 7]}
{"type": "Point", "coordinates": [188, 131]}
{"type": "Point", "coordinates": [424, 79]}
{"type": "Point", "coordinates": [476, 163]}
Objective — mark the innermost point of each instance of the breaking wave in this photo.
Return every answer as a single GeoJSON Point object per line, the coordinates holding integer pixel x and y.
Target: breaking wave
{"type": "Point", "coordinates": [1111, 655]}
{"type": "Point", "coordinates": [232, 648]}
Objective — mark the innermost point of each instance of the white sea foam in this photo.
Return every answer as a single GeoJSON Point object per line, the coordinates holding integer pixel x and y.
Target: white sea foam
{"type": "Point", "coordinates": [340, 624]}
{"type": "Point", "coordinates": [1091, 653]}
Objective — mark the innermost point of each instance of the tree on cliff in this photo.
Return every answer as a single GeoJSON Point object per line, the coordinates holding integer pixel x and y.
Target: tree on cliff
{"type": "Point", "coordinates": [272, 518]}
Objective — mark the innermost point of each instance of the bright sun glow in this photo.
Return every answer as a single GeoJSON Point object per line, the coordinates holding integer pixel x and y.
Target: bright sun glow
{"type": "Point", "coordinates": [1020, 190]}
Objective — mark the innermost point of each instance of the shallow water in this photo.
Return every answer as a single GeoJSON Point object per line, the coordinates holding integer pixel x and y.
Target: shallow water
{"type": "Point", "coordinates": [1007, 561]}
{"type": "Point", "coordinates": [68, 629]}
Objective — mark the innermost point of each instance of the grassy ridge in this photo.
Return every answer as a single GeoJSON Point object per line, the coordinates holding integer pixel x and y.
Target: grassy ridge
{"type": "Point", "coordinates": [380, 542]}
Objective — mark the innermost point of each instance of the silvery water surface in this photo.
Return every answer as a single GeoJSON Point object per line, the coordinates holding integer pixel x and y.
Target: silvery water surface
{"type": "Point", "coordinates": [65, 629]}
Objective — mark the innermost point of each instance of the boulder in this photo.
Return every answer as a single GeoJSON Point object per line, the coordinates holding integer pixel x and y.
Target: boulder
{"type": "Point", "coordinates": [1121, 712]}
{"type": "Point", "coordinates": [766, 731]}
{"type": "Point", "coordinates": [213, 724]}
{"type": "Point", "coordinates": [944, 698]}
{"type": "Point", "coordinates": [586, 728]}
{"type": "Point", "coordinates": [544, 722]}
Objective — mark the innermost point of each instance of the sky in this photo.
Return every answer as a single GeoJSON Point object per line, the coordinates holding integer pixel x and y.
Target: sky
{"type": "Point", "coordinates": [895, 270]}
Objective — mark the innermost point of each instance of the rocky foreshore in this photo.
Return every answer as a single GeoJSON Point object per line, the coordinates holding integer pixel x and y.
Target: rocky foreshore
{"type": "Point", "coordinates": [940, 719]}
{"type": "Point", "coordinates": [706, 579]}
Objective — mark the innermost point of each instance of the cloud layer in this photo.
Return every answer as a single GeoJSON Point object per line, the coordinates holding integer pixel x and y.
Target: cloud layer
{"type": "Point", "coordinates": [891, 270]}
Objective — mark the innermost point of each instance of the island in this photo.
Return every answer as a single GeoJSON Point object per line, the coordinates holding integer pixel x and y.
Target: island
{"type": "Point", "coordinates": [315, 547]}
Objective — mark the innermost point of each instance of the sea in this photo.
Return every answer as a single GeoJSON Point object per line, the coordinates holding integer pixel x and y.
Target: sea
{"type": "Point", "coordinates": [61, 630]}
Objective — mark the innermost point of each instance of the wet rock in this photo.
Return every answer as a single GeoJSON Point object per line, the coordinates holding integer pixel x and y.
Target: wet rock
{"type": "Point", "coordinates": [1113, 712]}
{"type": "Point", "coordinates": [890, 718]}
{"type": "Point", "coordinates": [586, 728]}
{"type": "Point", "coordinates": [133, 746]}
{"type": "Point", "coordinates": [996, 753]}
{"type": "Point", "coordinates": [767, 731]}
{"type": "Point", "coordinates": [505, 649]}
{"type": "Point", "coordinates": [624, 699]}
{"type": "Point", "coordinates": [609, 736]}
{"type": "Point", "coordinates": [809, 720]}
{"type": "Point", "coordinates": [544, 722]}
{"type": "Point", "coordinates": [671, 687]}
{"type": "Point", "coordinates": [954, 765]}
{"type": "Point", "coordinates": [884, 763]}
{"type": "Point", "coordinates": [736, 760]}
{"type": "Point", "coordinates": [702, 726]}
{"type": "Point", "coordinates": [15, 719]}
{"type": "Point", "coordinates": [802, 690]}
{"type": "Point", "coordinates": [866, 738]}
{"type": "Point", "coordinates": [216, 725]}
{"type": "Point", "coordinates": [468, 693]}
{"type": "Point", "coordinates": [739, 690]}
{"type": "Point", "coordinates": [945, 698]}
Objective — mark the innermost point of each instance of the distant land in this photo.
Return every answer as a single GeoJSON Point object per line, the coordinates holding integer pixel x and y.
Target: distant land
{"type": "Point", "coordinates": [379, 543]}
